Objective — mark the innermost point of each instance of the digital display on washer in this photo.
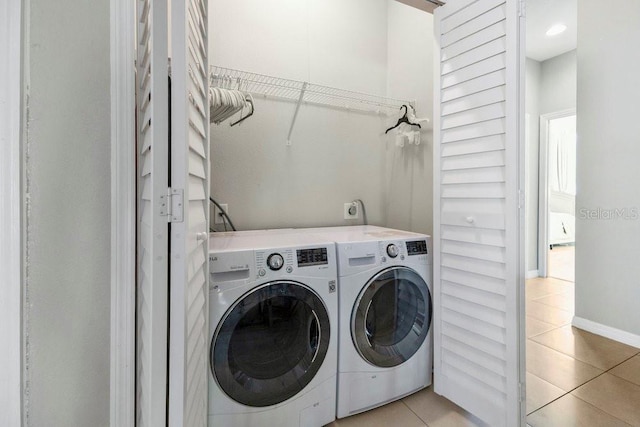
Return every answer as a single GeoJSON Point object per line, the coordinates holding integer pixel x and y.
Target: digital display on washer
{"type": "Point", "coordinates": [419, 247]}
{"type": "Point", "coordinates": [315, 256]}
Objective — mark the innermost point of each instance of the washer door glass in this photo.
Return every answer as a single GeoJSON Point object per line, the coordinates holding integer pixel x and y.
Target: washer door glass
{"type": "Point", "coordinates": [270, 344]}
{"type": "Point", "coordinates": [391, 317]}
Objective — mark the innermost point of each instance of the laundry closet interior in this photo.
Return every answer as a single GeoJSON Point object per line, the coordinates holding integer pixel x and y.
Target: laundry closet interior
{"type": "Point", "coordinates": [312, 127]}
{"type": "Point", "coordinates": [335, 114]}
{"type": "Point", "coordinates": [338, 152]}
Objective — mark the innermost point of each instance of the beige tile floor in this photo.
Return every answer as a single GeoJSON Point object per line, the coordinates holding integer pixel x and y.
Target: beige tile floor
{"type": "Point", "coordinates": [424, 408]}
{"type": "Point", "coordinates": [574, 378]}
{"type": "Point", "coordinates": [561, 263]}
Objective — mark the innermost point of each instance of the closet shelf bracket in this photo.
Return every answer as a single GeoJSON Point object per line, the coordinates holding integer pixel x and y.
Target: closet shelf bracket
{"type": "Point", "coordinates": [295, 114]}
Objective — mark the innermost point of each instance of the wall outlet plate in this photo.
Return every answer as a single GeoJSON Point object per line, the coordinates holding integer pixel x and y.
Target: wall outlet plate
{"type": "Point", "coordinates": [354, 208]}
{"type": "Point", "coordinates": [217, 215]}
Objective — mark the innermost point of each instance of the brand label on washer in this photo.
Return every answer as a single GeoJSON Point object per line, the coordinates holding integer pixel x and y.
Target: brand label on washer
{"type": "Point", "coordinates": [332, 286]}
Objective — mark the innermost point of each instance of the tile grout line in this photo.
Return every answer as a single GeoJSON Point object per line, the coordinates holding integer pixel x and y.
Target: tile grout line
{"type": "Point", "coordinates": [552, 329]}
{"type": "Point", "coordinates": [549, 305]}
{"type": "Point", "coordinates": [585, 383]}
{"type": "Point", "coordinates": [600, 409]}
{"type": "Point", "coordinates": [575, 358]}
{"type": "Point", "coordinates": [413, 412]}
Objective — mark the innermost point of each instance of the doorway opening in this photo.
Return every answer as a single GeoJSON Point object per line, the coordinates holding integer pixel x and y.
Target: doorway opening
{"type": "Point", "coordinates": [557, 195]}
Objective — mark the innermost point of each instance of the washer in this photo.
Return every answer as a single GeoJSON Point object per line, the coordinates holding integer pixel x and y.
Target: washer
{"type": "Point", "coordinates": [273, 322]}
{"type": "Point", "coordinates": [385, 347]}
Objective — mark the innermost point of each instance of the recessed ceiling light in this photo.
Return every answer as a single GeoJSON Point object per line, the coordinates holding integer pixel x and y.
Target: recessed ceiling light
{"type": "Point", "coordinates": [556, 29]}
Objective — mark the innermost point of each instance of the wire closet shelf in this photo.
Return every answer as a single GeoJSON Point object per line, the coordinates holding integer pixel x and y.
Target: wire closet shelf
{"type": "Point", "coordinates": [303, 92]}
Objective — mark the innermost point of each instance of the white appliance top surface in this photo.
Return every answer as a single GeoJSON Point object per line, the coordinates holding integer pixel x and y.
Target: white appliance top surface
{"type": "Point", "coordinates": [263, 239]}
{"type": "Point", "coordinates": [364, 233]}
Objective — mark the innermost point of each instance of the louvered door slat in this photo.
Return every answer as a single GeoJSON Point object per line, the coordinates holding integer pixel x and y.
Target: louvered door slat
{"type": "Point", "coordinates": [461, 12]}
{"type": "Point", "coordinates": [477, 282]}
{"type": "Point", "coordinates": [490, 96]}
{"type": "Point", "coordinates": [478, 69]}
{"type": "Point", "coordinates": [153, 231]}
{"type": "Point", "coordinates": [479, 23]}
{"type": "Point", "coordinates": [483, 36]}
{"type": "Point", "coordinates": [473, 56]}
{"type": "Point", "coordinates": [479, 342]}
{"type": "Point", "coordinates": [474, 145]}
{"type": "Point", "coordinates": [473, 235]}
{"type": "Point", "coordinates": [474, 250]}
{"type": "Point", "coordinates": [472, 325]}
{"type": "Point", "coordinates": [189, 242]}
{"type": "Point", "coordinates": [475, 85]}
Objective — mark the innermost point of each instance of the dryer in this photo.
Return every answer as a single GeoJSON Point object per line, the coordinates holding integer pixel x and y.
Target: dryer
{"type": "Point", "coordinates": [385, 347]}
{"type": "Point", "coordinates": [273, 322]}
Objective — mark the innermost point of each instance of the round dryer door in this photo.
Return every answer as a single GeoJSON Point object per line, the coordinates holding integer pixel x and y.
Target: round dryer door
{"type": "Point", "coordinates": [391, 317]}
{"type": "Point", "coordinates": [270, 343]}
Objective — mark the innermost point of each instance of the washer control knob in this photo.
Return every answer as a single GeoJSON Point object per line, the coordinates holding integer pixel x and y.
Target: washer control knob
{"type": "Point", "coordinates": [275, 261]}
{"type": "Point", "coordinates": [392, 250]}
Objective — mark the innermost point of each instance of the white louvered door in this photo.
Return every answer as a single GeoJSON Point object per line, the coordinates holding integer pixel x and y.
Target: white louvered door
{"type": "Point", "coordinates": [153, 229]}
{"type": "Point", "coordinates": [478, 361]}
{"type": "Point", "coordinates": [189, 236]}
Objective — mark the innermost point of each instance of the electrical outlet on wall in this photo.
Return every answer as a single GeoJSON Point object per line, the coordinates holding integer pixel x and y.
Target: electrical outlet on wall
{"type": "Point", "coordinates": [351, 210]}
{"type": "Point", "coordinates": [217, 214]}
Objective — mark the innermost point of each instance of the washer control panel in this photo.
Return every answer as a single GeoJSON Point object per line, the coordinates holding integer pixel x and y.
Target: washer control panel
{"type": "Point", "coordinates": [281, 262]}
{"type": "Point", "coordinates": [271, 261]}
{"type": "Point", "coordinates": [392, 252]}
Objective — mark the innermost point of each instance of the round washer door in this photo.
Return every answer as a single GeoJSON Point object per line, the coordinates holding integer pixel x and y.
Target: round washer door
{"type": "Point", "coordinates": [270, 343]}
{"type": "Point", "coordinates": [391, 317]}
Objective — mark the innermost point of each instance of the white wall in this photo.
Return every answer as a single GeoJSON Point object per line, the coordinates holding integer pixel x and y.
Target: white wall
{"type": "Point", "coordinates": [408, 201]}
{"type": "Point", "coordinates": [67, 291]}
{"type": "Point", "coordinates": [607, 250]}
{"type": "Point", "coordinates": [336, 155]}
{"type": "Point", "coordinates": [550, 87]}
{"type": "Point", "coordinates": [558, 85]}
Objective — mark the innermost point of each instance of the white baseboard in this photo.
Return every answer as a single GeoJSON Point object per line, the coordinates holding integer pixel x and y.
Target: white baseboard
{"type": "Point", "coordinates": [607, 331]}
{"type": "Point", "coordinates": [532, 274]}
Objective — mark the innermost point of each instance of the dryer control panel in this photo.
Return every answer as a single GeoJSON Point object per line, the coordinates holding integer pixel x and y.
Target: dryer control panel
{"type": "Point", "coordinates": [394, 252]}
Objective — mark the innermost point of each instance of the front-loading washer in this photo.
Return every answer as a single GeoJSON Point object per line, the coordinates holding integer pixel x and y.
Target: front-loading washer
{"type": "Point", "coordinates": [385, 349]}
{"type": "Point", "coordinates": [273, 322]}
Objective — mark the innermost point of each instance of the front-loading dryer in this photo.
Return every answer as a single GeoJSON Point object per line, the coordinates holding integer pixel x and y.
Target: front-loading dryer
{"type": "Point", "coordinates": [273, 322]}
{"type": "Point", "coordinates": [385, 340]}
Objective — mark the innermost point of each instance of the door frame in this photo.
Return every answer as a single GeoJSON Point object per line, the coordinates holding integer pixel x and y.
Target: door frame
{"type": "Point", "coordinates": [122, 401]}
{"type": "Point", "coordinates": [543, 187]}
{"type": "Point", "coordinates": [123, 210]}
{"type": "Point", "coordinates": [11, 211]}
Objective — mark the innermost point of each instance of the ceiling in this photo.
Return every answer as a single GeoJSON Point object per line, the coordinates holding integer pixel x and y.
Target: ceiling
{"type": "Point", "coordinates": [541, 15]}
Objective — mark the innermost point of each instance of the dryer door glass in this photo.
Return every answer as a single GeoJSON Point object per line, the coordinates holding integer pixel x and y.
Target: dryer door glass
{"type": "Point", "coordinates": [270, 344]}
{"type": "Point", "coordinates": [391, 317]}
